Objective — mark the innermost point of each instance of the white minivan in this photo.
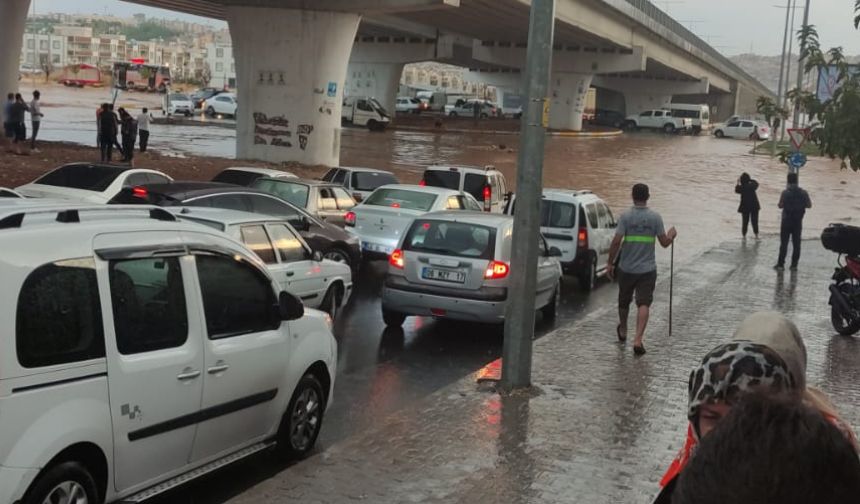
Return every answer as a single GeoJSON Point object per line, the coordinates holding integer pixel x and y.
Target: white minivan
{"type": "Point", "coordinates": [487, 185]}
{"type": "Point", "coordinates": [144, 353]}
{"type": "Point", "coordinates": [581, 226]}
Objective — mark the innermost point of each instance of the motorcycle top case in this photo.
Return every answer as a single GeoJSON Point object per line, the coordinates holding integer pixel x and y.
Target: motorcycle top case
{"type": "Point", "coordinates": [842, 239]}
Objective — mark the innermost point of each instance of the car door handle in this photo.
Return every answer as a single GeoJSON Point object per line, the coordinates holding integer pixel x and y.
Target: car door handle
{"type": "Point", "coordinates": [290, 273]}
{"type": "Point", "coordinates": [219, 367]}
{"type": "Point", "coordinates": [188, 374]}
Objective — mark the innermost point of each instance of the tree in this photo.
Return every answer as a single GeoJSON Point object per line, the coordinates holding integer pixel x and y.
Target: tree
{"type": "Point", "coordinates": [838, 133]}
{"type": "Point", "coordinates": [769, 109]}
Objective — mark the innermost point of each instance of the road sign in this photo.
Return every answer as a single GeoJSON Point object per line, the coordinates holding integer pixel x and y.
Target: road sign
{"type": "Point", "coordinates": [796, 160]}
{"type": "Point", "coordinates": [798, 136]}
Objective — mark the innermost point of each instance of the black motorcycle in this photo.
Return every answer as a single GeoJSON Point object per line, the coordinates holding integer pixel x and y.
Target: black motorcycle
{"type": "Point", "coordinates": [845, 289]}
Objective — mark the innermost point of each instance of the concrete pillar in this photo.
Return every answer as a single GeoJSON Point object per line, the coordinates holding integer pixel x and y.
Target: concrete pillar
{"type": "Point", "coordinates": [645, 94]}
{"type": "Point", "coordinates": [568, 92]}
{"type": "Point", "coordinates": [377, 80]}
{"type": "Point", "coordinates": [13, 18]}
{"type": "Point", "coordinates": [290, 66]}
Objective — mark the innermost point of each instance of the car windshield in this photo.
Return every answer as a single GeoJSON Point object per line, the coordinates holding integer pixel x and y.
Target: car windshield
{"type": "Point", "coordinates": [402, 198]}
{"type": "Point", "coordinates": [369, 181]}
{"type": "Point", "coordinates": [237, 177]}
{"type": "Point", "coordinates": [82, 176]}
{"type": "Point", "coordinates": [378, 106]}
{"type": "Point", "coordinates": [451, 238]}
{"type": "Point", "coordinates": [297, 194]}
{"type": "Point", "coordinates": [178, 97]}
{"type": "Point", "coordinates": [439, 178]}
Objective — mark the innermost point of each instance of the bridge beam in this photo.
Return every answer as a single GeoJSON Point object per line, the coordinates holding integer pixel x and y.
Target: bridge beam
{"type": "Point", "coordinates": [362, 6]}
{"type": "Point", "coordinates": [290, 68]}
{"type": "Point", "coordinates": [644, 94]}
{"type": "Point", "coordinates": [13, 19]}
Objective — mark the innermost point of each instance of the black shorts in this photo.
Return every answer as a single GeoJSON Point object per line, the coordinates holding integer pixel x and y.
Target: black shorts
{"type": "Point", "coordinates": [640, 283]}
{"type": "Point", "coordinates": [20, 132]}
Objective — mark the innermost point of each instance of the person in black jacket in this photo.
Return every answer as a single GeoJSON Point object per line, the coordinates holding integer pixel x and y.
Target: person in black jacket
{"type": "Point", "coordinates": [794, 202]}
{"type": "Point", "coordinates": [749, 206]}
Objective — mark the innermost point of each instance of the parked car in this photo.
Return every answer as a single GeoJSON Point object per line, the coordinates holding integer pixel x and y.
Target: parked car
{"type": "Point", "coordinates": [581, 225]}
{"type": "Point", "coordinates": [246, 175]}
{"type": "Point", "coordinates": [744, 129]}
{"type": "Point", "coordinates": [466, 108]}
{"type": "Point", "coordinates": [409, 105]}
{"type": "Point", "coordinates": [486, 185]}
{"type": "Point", "coordinates": [364, 111]}
{"type": "Point", "coordinates": [658, 119]}
{"type": "Point", "coordinates": [319, 283]}
{"type": "Point", "coordinates": [144, 353]}
{"type": "Point", "coordinates": [222, 104]}
{"type": "Point", "coordinates": [456, 265]}
{"type": "Point", "coordinates": [380, 221]}
{"type": "Point", "coordinates": [203, 94]}
{"type": "Point", "coordinates": [326, 201]}
{"type": "Point", "coordinates": [9, 193]}
{"type": "Point", "coordinates": [179, 103]}
{"type": "Point", "coordinates": [89, 182]}
{"type": "Point", "coordinates": [334, 243]}
{"type": "Point", "coordinates": [606, 117]}
{"type": "Point", "coordinates": [359, 182]}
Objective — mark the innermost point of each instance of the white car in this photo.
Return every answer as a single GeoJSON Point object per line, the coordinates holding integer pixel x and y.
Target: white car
{"type": "Point", "coordinates": [9, 193]}
{"type": "Point", "coordinates": [246, 175]}
{"type": "Point", "coordinates": [224, 104]}
{"type": "Point", "coordinates": [581, 226]}
{"type": "Point", "coordinates": [179, 103]}
{"type": "Point", "coordinates": [380, 220]}
{"type": "Point", "coordinates": [143, 353]}
{"type": "Point", "coordinates": [408, 105]}
{"type": "Point", "coordinates": [744, 129]}
{"type": "Point", "coordinates": [467, 109]}
{"type": "Point", "coordinates": [486, 184]}
{"type": "Point", "coordinates": [658, 119]}
{"type": "Point", "coordinates": [89, 182]}
{"type": "Point", "coordinates": [319, 283]}
{"type": "Point", "coordinates": [360, 182]}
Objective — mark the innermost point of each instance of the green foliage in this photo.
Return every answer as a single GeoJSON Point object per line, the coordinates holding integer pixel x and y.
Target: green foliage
{"type": "Point", "coordinates": [149, 30]}
{"type": "Point", "coordinates": [769, 109]}
{"type": "Point", "coordinates": [857, 12]}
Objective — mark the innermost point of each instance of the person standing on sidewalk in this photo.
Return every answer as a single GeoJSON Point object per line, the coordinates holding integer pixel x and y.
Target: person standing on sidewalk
{"type": "Point", "coordinates": [638, 231]}
{"type": "Point", "coordinates": [749, 206]}
{"type": "Point", "coordinates": [793, 202]}
{"type": "Point", "coordinates": [107, 133]}
{"type": "Point", "coordinates": [18, 117]}
{"type": "Point", "coordinates": [143, 128]}
{"type": "Point", "coordinates": [8, 127]}
{"type": "Point", "coordinates": [129, 135]}
{"type": "Point", "coordinates": [36, 116]}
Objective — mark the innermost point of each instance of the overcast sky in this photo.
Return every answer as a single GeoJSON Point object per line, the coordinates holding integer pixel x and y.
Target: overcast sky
{"type": "Point", "coordinates": [732, 26]}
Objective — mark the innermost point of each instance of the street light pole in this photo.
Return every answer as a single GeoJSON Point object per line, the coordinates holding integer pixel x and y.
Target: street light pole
{"type": "Point", "coordinates": [781, 77]}
{"type": "Point", "coordinates": [800, 65]}
{"type": "Point", "coordinates": [520, 316]}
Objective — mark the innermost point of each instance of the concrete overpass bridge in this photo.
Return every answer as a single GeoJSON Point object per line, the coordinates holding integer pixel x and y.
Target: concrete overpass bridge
{"type": "Point", "coordinates": [630, 49]}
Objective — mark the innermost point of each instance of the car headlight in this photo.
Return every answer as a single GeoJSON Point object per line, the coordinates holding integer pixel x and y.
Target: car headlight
{"type": "Point", "coordinates": [329, 323]}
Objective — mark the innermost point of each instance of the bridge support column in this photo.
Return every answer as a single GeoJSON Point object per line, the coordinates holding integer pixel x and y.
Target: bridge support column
{"type": "Point", "coordinates": [377, 80]}
{"type": "Point", "coordinates": [645, 94]}
{"type": "Point", "coordinates": [13, 18]}
{"type": "Point", "coordinates": [569, 91]}
{"type": "Point", "coordinates": [290, 68]}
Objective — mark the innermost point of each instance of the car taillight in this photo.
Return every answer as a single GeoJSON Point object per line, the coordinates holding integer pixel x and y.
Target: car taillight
{"type": "Point", "coordinates": [488, 193]}
{"type": "Point", "coordinates": [139, 192]}
{"type": "Point", "coordinates": [423, 183]}
{"type": "Point", "coordinates": [396, 259]}
{"type": "Point", "coordinates": [582, 238]}
{"type": "Point", "coordinates": [496, 270]}
{"type": "Point", "coordinates": [349, 219]}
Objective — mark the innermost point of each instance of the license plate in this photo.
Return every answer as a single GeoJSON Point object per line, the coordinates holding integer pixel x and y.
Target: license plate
{"type": "Point", "coordinates": [443, 275]}
{"type": "Point", "coordinates": [374, 247]}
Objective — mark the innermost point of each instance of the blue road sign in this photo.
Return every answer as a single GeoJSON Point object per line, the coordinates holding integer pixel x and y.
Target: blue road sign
{"type": "Point", "coordinates": [332, 89]}
{"type": "Point", "coordinates": [796, 160]}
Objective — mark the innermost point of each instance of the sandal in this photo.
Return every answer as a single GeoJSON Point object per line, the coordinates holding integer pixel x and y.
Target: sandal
{"type": "Point", "coordinates": [639, 350]}
{"type": "Point", "coordinates": [622, 338]}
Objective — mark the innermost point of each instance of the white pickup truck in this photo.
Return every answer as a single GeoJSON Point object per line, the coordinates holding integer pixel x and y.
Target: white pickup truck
{"type": "Point", "coordinates": [657, 119]}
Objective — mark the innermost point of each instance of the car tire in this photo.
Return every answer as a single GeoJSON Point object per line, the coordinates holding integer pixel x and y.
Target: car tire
{"type": "Point", "coordinates": [339, 255]}
{"type": "Point", "coordinates": [630, 126]}
{"type": "Point", "coordinates": [588, 278]}
{"type": "Point", "coordinates": [393, 318]}
{"type": "Point", "coordinates": [452, 114]}
{"type": "Point", "coordinates": [65, 482]}
{"type": "Point", "coordinates": [668, 128]}
{"type": "Point", "coordinates": [210, 111]}
{"type": "Point", "coordinates": [550, 311]}
{"type": "Point", "coordinates": [301, 423]}
{"type": "Point", "coordinates": [719, 134]}
{"type": "Point", "coordinates": [331, 302]}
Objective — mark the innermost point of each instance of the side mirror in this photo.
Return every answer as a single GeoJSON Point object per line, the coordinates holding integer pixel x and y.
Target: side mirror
{"type": "Point", "coordinates": [317, 256]}
{"type": "Point", "coordinates": [554, 252]}
{"type": "Point", "coordinates": [290, 307]}
{"type": "Point", "coordinates": [302, 224]}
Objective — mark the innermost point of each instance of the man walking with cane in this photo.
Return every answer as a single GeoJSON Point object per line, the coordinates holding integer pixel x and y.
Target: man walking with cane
{"type": "Point", "coordinates": [638, 230]}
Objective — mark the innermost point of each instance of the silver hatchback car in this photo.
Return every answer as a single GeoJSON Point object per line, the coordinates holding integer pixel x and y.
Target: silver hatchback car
{"type": "Point", "coordinates": [456, 265]}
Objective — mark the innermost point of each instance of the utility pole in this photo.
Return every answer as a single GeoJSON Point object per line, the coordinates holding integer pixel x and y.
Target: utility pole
{"type": "Point", "coordinates": [800, 65]}
{"type": "Point", "coordinates": [781, 77]}
{"type": "Point", "coordinates": [784, 103]}
{"type": "Point", "coordinates": [520, 315]}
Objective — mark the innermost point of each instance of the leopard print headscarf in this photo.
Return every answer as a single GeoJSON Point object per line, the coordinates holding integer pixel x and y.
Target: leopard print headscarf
{"type": "Point", "coordinates": [730, 370]}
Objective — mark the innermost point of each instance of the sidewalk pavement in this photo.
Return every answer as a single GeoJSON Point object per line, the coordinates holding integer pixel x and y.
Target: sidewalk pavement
{"type": "Point", "coordinates": [601, 425]}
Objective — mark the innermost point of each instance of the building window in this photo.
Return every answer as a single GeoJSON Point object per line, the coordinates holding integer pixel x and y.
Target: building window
{"type": "Point", "coordinates": [56, 44]}
{"type": "Point", "coordinates": [31, 44]}
{"type": "Point", "coordinates": [55, 59]}
{"type": "Point", "coordinates": [29, 57]}
{"type": "Point", "coordinates": [219, 53]}
{"type": "Point", "coordinates": [232, 68]}
{"type": "Point", "coordinates": [219, 67]}
{"type": "Point", "coordinates": [43, 45]}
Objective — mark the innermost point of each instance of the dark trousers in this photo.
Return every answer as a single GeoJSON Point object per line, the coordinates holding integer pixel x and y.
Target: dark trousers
{"type": "Point", "coordinates": [34, 134]}
{"type": "Point", "coordinates": [790, 229]}
{"type": "Point", "coordinates": [106, 147]}
{"type": "Point", "coordinates": [127, 147]}
{"type": "Point", "coordinates": [746, 217]}
{"type": "Point", "coordinates": [144, 140]}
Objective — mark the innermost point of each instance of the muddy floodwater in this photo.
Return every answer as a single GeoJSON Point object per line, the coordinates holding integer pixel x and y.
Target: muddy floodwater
{"type": "Point", "coordinates": [692, 178]}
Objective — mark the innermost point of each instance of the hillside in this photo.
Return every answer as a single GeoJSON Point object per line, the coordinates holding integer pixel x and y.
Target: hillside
{"type": "Point", "coordinates": [766, 69]}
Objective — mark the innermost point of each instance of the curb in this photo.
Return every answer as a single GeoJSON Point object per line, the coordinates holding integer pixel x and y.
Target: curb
{"type": "Point", "coordinates": [567, 134]}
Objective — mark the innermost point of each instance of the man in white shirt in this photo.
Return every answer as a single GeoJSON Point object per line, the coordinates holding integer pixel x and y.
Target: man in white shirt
{"type": "Point", "coordinates": [36, 116]}
{"type": "Point", "coordinates": [143, 128]}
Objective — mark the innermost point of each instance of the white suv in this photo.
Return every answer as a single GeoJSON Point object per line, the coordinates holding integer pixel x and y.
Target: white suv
{"type": "Point", "coordinates": [486, 184]}
{"type": "Point", "coordinates": [658, 119]}
{"type": "Point", "coordinates": [581, 226]}
{"type": "Point", "coordinates": [143, 353]}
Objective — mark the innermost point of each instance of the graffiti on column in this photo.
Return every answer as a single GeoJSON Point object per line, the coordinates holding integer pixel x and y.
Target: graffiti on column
{"type": "Point", "coordinates": [304, 131]}
{"type": "Point", "coordinates": [275, 127]}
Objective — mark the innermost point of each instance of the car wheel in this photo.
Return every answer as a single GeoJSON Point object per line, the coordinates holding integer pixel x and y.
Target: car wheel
{"type": "Point", "coordinates": [301, 424]}
{"type": "Point", "coordinates": [210, 111]}
{"type": "Point", "coordinates": [630, 126]}
{"type": "Point", "coordinates": [452, 114]}
{"type": "Point", "coordinates": [330, 302]}
{"type": "Point", "coordinates": [393, 318]}
{"type": "Point", "coordinates": [588, 278]}
{"type": "Point", "coordinates": [338, 255]}
{"type": "Point", "coordinates": [719, 134]}
{"type": "Point", "coordinates": [64, 483]}
{"type": "Point", "coordinates": [668, 128]}
{"type": "Point", "coordinates": [187, 113]}
{"type": "Point", "coordinates": [551, 310]}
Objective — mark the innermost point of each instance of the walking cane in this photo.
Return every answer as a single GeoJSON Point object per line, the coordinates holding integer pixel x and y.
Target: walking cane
{"type": "Point", "coordinates": [671, 282]}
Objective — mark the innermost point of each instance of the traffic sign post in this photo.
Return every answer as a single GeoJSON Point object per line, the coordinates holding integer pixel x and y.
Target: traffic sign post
{"type": "Point", "coordinates": [797, 160]}
{"type": "Point", "coordinates": [798, 137]}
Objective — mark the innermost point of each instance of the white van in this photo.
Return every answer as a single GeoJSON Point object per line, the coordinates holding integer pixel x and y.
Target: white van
{"type": "Point", "coordinates": [365, 111]}
{"type": "Point", "coordinates": [700, 114]}
{"type": "Point", "coordinates": [486, 184]}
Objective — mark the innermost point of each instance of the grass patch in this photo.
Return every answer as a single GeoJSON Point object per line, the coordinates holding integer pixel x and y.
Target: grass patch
{"type": "Point", "coordinates": [809, 148]}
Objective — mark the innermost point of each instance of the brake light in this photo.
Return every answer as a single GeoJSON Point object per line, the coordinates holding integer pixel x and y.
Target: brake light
{"type": "Point", "coordinates": [496, 270]}
{"type": "Point", "coordinates": [349, 219]}
{"type": "Point", "coordinates": [395, 205]}
{"type": "Point", "coordinates": [396, 259]}
{"type": "Point", "coordinates": [582, 238]}
{"type": "Point", "coordinates": [139, 192]}
{"type": "Point", "coordinates": [423, 183]}
{"type": "Point", "coordinates": [488, 193]}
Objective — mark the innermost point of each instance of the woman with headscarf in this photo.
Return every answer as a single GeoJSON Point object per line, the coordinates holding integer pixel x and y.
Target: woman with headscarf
{"type": "Point", "coordinates": [749, 206]}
